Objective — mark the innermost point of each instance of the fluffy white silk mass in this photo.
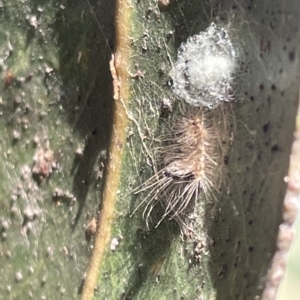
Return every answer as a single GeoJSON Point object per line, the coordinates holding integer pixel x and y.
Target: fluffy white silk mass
{"type": "Point", "coordinates": [203, 72]}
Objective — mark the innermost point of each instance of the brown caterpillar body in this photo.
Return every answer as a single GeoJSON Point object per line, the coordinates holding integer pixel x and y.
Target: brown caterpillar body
{"type": "Point", "coordinates": [189, 164]}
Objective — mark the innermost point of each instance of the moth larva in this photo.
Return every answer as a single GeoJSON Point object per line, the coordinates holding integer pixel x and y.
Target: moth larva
{"type": "Point", "coordinates": [190, 159]}
{"type": "Point", "coordinates": [188, 165]}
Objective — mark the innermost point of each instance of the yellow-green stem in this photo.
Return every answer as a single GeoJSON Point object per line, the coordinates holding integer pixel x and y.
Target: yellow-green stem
{"type": "Point", "coordinates": [119, 69]}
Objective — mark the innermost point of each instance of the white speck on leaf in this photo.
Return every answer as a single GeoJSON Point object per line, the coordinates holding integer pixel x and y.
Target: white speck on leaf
{"type": "Point", "coordinates": [113, 244]}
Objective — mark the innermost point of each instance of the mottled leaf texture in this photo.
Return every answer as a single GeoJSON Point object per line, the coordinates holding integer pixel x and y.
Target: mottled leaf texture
{"type": "Point", "coordinates": [57, 114]}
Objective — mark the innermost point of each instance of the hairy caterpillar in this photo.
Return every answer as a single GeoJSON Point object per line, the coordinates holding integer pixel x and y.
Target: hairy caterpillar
{"type": "Point", "coordinates": [192, 156]}
{"type": "Point", "coordinates": [189, 163]}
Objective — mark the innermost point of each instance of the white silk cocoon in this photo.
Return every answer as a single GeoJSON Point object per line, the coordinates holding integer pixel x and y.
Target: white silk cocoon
{"type": "Point", "coordinates": [203, 72]}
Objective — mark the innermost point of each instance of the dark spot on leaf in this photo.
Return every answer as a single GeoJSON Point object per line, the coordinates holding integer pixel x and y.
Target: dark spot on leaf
{"type": "Point", "coordinates": [94, 131]}
{"type": "Point", "coordinates": [226, 160]}
{"type": "Point", "coordinates": [266, 127]}
{"type": "Point", "coordinates": [292, 56]}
